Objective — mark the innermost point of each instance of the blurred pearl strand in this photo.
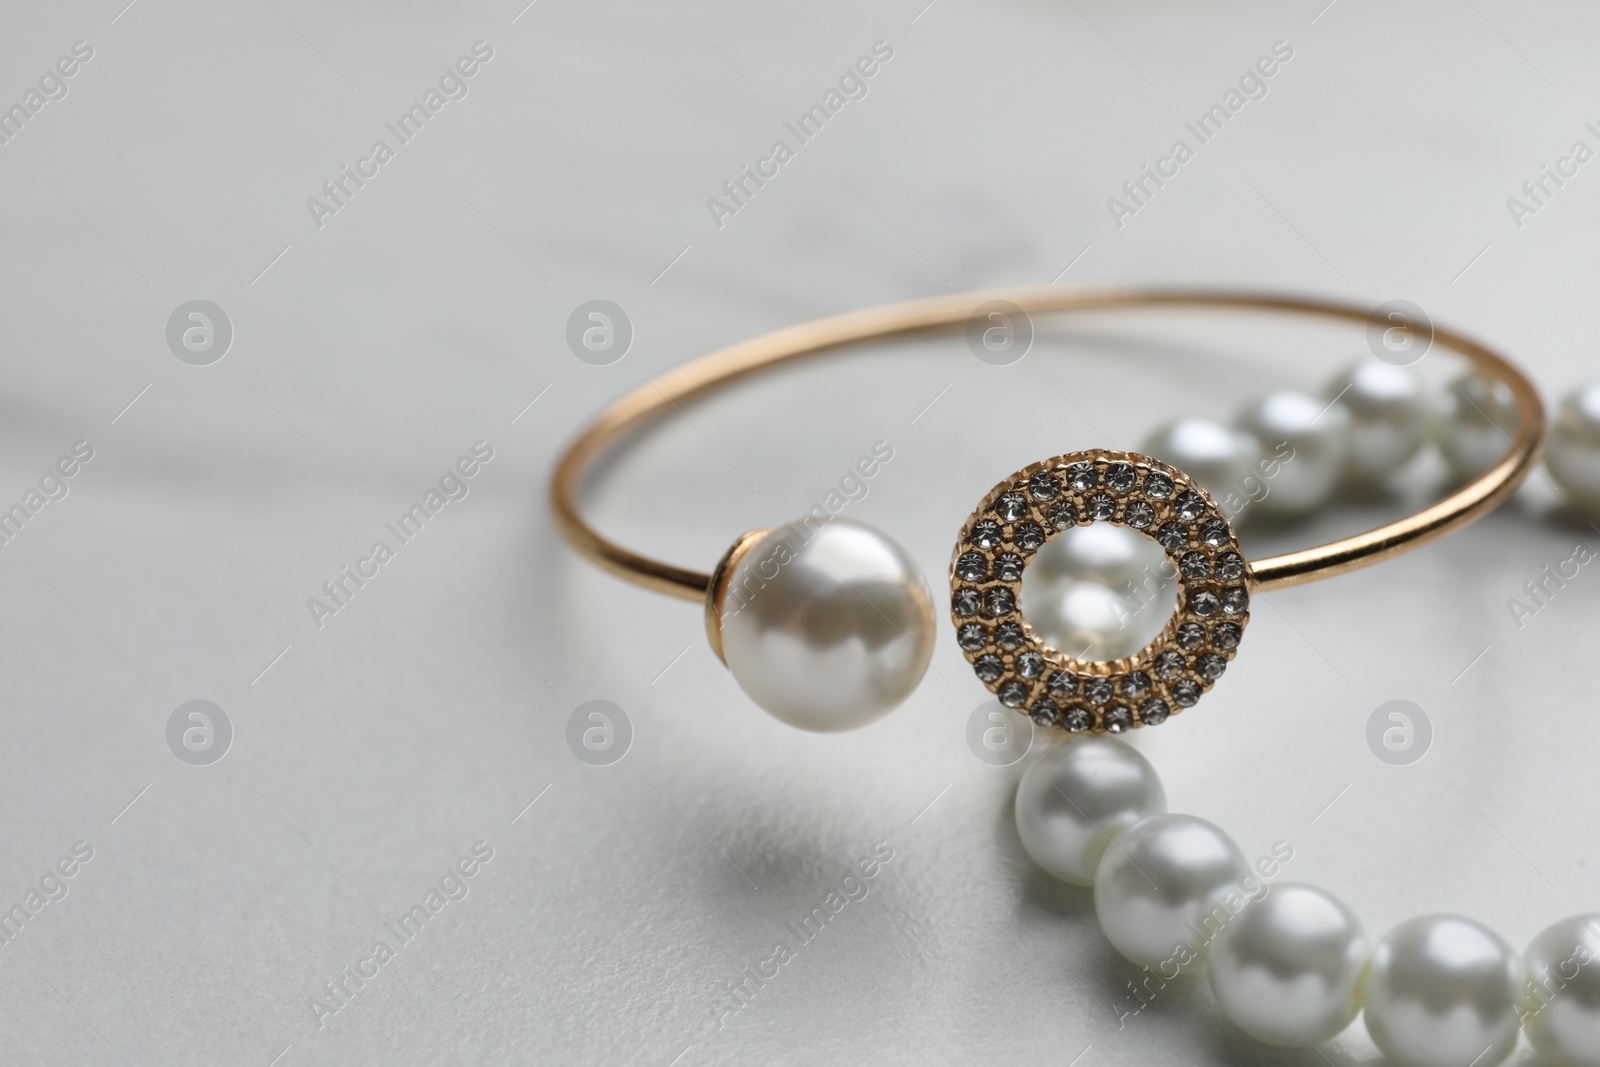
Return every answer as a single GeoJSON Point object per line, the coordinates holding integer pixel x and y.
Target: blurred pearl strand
{"type": "Point", "coordinates": [1294, 967]}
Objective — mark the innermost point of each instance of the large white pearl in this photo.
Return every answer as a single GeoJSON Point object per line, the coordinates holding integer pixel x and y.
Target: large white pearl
{"type": "Point", "coordinates": [1444, 991]}
{"type": "Point", "coordinates": [1164, 891]}
{"type": "Point", "coordinates": [1289, 969]}
{"type": "Point", "coordinates": [1474, 424]}
{"type": "Point", "coordinates": [1388, 417]}
{"type": "Point", "coordinates": [1099, 592]}
{"type": "Point", "coordinates": [827, 626]}
{"type": "Point", "coordinates": [1304, 442]}
{"type": "Point", "coordinates": [1077, 797]}
{"type": "Point", "coordinates": [1573, 456]}
{"type": "Point", "coordinates": [1563, 1005]}
{"type": "Point", "coordinates": [1221, 458]}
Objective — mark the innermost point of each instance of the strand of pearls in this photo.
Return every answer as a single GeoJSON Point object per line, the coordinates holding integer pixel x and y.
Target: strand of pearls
{"type": "Point", "coordinates": [1291, 965]}
{"type": "Point", "coordinates": [1288, 452]}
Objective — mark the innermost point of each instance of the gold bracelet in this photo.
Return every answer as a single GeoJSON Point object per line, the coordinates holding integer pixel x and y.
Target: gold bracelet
{"type": "Point", "coordinates": [828, 625]}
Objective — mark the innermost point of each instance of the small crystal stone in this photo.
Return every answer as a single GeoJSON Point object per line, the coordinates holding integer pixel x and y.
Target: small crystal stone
{"type": "Point", "coordinates": [1082, 476]}
{"type": "Point", "coordinates": [1077, 720]}
{"type": "Point", "coordinates": [1139, 515]}
{"type": "Point", "coordinates": [1008, 636]}
{"type": "Point", "coordinates": [1157, 486]}
{"type": "Point", "coordinates": [1011, 507]}
{"type": "Point", "coordinates": [1193, 565]}
{"type": "Point", "coordinates": [1190, 505]}
{"type": "Point", "coordinates": [1172, 535]}
{"type": "Point", "coordinates": [1211, 666]}
{"type": "Point", "coordinates": [1097, 691]}
{"type": "Point", "coordinates": [1205, 604]}
{"type": "Point", "coordinates": [1230, 566]}
{"type": "Point", "coordinates": [1117, 720]}
{"type": "Point", "coordinates": [1030, 664]}
{"type": "Point", "coordinates": [1214, 533]}
{"type": "Point", "coordinates": [1045, 713]}
{"type": "Point", "coordinates": [972, 567]}
{"type": "Point", "coordinates": [1120, 477]}
{"type": "Point", "coordinates": [1136, 685]}
{"type": "Point", "coordinates": [1169, 665]}
{"type": "Point", "coordinates": [1044, 486]}
{"type": "Point", "coordinates": [1008, 567]}
{"type": "Point", "coordinates": [1030, 535]}
{"type": "Point", "coordinates": [1153, 712]}
{"type": "Point", "coordinates": [999, 601]}
{"type": "Point", "coordinates": [1191, 635]}
{"type": "Point", "coordinates": [965, 602]}
{"type": "Point", "coordinates": [986, 533]}
{"type": "Point", "coordinates": [1225, 635]}
{"type": "Point", "coordinates": [1062, 515]}
{"type": "Point", "coordinates": [1013, 694]}
{"type": "Point", "coordinates": [1235, 600]}
{"type": "Point", "coordinates": [988, 669]}
{"type": "Point", "coordinates": [1061, 684]}
{"type": "Point", "coordinates": [972, 636]}
{"type": "Point", "coordinates": [1100, 506]}
{"type": "Point", "coordinates": [1185, 693]}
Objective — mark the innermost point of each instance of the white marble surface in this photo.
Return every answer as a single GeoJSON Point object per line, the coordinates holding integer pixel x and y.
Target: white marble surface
{"type": "Point", "coordinates": [431, 309]}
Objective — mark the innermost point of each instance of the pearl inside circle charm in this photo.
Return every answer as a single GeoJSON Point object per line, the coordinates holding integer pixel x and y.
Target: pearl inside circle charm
{"type": "Point", "coordinates": [827, 626]}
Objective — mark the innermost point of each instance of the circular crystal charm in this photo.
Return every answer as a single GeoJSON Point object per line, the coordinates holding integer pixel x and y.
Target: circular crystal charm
{"type": "Point", "coordinates": [1052, 686]}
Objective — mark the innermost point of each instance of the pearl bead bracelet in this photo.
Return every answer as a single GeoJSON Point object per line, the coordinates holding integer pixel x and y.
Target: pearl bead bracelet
{"type": "Point", "coordinates": [1289, 963]}
{"type": "Point", "coordinates": [827, 623]}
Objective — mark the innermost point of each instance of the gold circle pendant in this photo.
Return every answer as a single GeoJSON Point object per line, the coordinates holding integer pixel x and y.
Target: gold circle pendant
{"type": "Point", "coordinates": [1032, 508]}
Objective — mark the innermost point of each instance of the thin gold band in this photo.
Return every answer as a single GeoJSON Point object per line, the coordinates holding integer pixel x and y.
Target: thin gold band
{"type": "Point", "coordinates": [746, 358]}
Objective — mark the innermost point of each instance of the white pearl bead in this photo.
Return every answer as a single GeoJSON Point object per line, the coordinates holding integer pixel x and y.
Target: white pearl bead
{"type": "Point", "coordinates": [1474, 424]}
{"type": "Point", "coordinates": [1082, 619]}
{"type": "Point", "coordinates": [1573, 456]}
{"type": "Point", "coordinates": [1444, 991]}
{"type": "Point", "coordinates": [1101, 552]}
{"type": "Point", "coordinates": [1221, 458]}
{"type": "Point", "coordinates": [1289, 969]}
{"type": "Point", "coordinates": [829, 626]}
{"type": "Point", "coordinates": [1388, 417]}
{"type": "Point", "coordinates": [1304, 442]}
{"type": "Point", "coordinates": [1078, 796]}
{"type": "Point", "coordinates": [1099, 592]}
{"type": "Point", "coordinates": [1563, 1004]}
{"type": "Point", "coordinates": [1168, 886]}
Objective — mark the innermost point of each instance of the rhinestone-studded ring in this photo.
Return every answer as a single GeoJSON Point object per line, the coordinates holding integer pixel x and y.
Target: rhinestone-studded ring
{"type": "Point", "coordinates": [1034, 506]}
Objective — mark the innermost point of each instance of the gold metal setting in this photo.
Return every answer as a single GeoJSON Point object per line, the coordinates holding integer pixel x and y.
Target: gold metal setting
{"type": "Point", "coordinates": [724, 367]}
{"type": "Point", "coordinates": [717, 588]}
{"type": "Point", "coordinates": [1033, 507]}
